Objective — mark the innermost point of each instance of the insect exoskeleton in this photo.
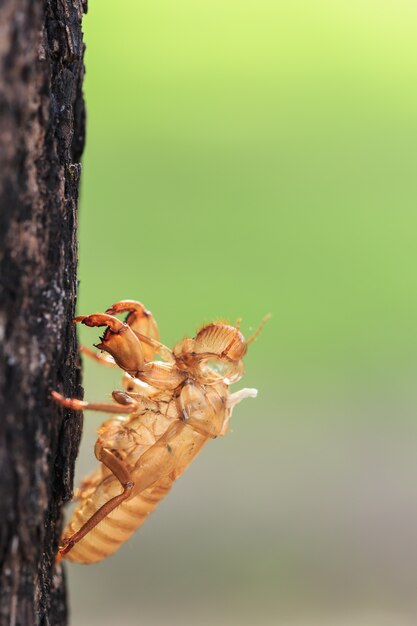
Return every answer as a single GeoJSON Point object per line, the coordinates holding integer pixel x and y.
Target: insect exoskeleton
{"type": "Point", "coordinates": [172, 403]}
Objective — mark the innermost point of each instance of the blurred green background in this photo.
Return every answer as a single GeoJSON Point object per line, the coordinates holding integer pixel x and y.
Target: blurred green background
{"type": "Point", "coordinates": [246, 157]}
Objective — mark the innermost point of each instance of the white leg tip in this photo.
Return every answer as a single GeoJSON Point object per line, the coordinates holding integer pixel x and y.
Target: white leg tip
{"type": "Point", "coordinates": [238, 396]}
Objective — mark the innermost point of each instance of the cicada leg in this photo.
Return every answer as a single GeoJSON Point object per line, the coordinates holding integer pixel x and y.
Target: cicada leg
{"type": "Point", "coordinates": [232, 400]}
{"type": "Point", "coordinates": [238, 396]}
{"type": "Point", "coordinates": [144, 325]}
{"type": "Point", "coordinates": [100, 357]}
{"type": "Point", "coordinates": [118, 340]}
{"type": "Point", "coordinates": [81, 405]}
{"type": "Point", "coordinates": [142, 322]}
{"type": "Point", "coordinates": [117, 467]}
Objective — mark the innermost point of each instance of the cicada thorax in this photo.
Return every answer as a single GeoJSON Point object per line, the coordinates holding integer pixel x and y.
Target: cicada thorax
{"type": "Point", "coordinates": [203, 407]}
{"type": "Point", "coordinates": [128, 437]}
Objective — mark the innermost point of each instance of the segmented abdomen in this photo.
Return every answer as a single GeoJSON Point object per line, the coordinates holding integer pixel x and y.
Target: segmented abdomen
{"type": "Point", "coordinates": [155, 450]}
{"type": "Point", "coordinates": [118, 526]}
{"type": "Point", "coordinates": [131, 438]}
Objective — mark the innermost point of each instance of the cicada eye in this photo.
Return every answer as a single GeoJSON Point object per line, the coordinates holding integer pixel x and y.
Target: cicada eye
{"type": "Point", "coordinates": [216, 370]}
{"type": "Point", "coordinates": [234, 373]}
{"type": "Point", "coordinates": [216, 366]}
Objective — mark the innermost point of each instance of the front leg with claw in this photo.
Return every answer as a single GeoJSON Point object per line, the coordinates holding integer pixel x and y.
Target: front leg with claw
{"type": "Point", "coordinates": [125, 346]}
{"type": "Point", "coordinates": [118, 340]}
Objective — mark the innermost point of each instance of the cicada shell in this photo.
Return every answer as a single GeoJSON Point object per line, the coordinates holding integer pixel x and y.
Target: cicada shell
{"type": "Point", "coordinates": [172, 403]}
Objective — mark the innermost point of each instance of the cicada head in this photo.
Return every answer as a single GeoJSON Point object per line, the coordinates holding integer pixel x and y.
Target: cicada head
{"type": "Point", "coordinates": [216, 352]}
{"type": "Point", "coordinates": [214, 355]}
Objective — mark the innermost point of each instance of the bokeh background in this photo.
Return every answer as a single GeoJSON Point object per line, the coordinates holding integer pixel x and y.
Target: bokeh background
{"type": "Point", "coordinates": [245, 157]}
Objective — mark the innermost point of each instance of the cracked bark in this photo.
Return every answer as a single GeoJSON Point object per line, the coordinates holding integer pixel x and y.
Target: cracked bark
{"type": "Point", "coordinates": [41, 141]}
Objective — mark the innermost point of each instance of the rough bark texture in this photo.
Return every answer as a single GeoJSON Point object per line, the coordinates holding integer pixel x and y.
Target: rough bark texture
{"type": "Point", "coordinates": [41, 140]}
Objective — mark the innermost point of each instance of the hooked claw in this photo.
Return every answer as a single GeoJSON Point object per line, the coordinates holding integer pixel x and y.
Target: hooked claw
{"type": "Point", "coordinates": [141, 321]}
{"type": "Point", "coordinates": [69, 403]}
{"type": "Point", "coordinates": [100, 319]}
{"type": "Point", "coordinates": [118, 340]}
{"type": "Point", "coordinates": [67, 544]}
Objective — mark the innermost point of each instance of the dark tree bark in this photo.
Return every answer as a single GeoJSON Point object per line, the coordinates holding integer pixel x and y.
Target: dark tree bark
{"type": "Point", "coordinates": [41, 141]}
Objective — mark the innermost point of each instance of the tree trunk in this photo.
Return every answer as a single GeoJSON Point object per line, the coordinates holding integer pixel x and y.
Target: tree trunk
{"type": "Point", "coordinates": [41, 141]}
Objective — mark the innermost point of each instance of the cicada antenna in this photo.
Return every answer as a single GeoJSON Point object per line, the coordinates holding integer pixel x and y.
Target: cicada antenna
{"type": "Point", "coordinates": [260, 327]}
